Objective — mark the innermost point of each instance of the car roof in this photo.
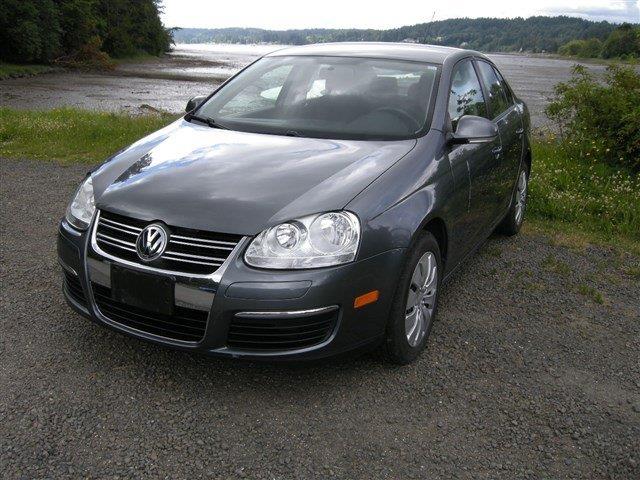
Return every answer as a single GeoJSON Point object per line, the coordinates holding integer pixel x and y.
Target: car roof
{"type": "Point", "coordinates": [398, 51]}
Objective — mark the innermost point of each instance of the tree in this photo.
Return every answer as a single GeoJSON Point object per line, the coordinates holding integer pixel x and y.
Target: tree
{"type": "Point", "coordinates": [29, 30]}
{"type": "Point", "coordinates": [624, 41]}
{"type": "Point", "coordinates": [77, 31]}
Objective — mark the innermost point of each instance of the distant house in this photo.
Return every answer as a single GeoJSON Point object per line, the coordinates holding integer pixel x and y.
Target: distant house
{"type": "Point", "coordinates": [409, 40]}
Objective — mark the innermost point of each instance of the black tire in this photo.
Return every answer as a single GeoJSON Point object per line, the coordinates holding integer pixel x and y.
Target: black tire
{"type": "Point", "coordinates": [396, 345]}
{"type": "Point", "coordinates": [512, 222]}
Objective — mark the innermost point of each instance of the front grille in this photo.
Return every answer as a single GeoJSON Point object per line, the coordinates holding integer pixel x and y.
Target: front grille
{"type": "Point", "coordinates": [185, 324]}
{"type": "Point", "coordinates": [188, 250]}
{"type": "Point", "coordinates": [73, 288]}
{"type": "Point", "coordinates": [279, 334]}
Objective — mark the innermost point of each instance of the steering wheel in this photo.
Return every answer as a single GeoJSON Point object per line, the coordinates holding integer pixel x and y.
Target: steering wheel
{"type": "Point", "coordinates": [404, 117]}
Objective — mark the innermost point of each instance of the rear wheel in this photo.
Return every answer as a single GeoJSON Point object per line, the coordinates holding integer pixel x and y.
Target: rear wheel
{"type": "Point", "coordinates": [515, 216]}
{"type": "Point", "coordinates": [415, 303]}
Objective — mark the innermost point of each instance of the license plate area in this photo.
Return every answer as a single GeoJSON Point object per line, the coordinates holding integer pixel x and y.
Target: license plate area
{"type": "Point", "coordinates": [154, 293]}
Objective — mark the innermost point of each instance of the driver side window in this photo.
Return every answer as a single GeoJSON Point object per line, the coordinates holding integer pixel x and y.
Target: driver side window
{"type": "Point", "coordinates": [465, 97]}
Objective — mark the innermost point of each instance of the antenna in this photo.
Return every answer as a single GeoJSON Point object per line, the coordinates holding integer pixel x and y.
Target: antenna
{"type": "Point", "coordinates": [430, 23]}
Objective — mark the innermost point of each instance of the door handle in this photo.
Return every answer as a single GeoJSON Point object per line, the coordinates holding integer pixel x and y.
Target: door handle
{"type": "Point", "coordinates": [497, 151]}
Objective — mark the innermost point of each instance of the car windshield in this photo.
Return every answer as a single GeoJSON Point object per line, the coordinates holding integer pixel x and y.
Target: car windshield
{"type": "Point", "coordinates": [326, 97]}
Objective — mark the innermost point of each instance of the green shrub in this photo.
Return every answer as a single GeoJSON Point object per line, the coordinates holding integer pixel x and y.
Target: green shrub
{"type": "Point", "coordinates": [600, 120]}
{"type": "Point", "coordinates": [623, 42]}
{"type": "Point", "coordinates": [590, 48]}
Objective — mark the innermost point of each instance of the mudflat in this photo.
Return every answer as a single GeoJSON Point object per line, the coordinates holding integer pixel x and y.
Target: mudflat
{"type": "Point", "coordinates": [168, 82]}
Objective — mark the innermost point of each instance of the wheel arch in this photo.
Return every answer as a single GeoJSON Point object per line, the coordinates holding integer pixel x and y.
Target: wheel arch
{"type": "Point", "coordinates": [438, 228]}
{"type": "Point", "coordinates": [527, 158]}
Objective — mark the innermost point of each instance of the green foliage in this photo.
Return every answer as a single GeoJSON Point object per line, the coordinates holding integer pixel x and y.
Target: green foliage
{"type": "Point", "coordinates": [71, 135]}
{"type": "Point", "coordinates": [591, 48]}
{"type": "Point", "coordinates": [75, 30]}
{"type": "Point", "coordinates": [129, 28]}
{"type": "Point", "coordinates": [582, 192]}
{"type": "Point", "coordinates": [29, 30]}
{"type": "Point", "coordinates": [600, 119]}
{"type": "Point", "coordinates": [533, 34]}
{"type": "Point", "coordinates": [624, 42]}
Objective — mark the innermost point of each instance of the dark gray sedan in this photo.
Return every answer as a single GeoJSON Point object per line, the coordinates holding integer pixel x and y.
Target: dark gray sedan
{"type": "Point", "coordinates": [310, 206]}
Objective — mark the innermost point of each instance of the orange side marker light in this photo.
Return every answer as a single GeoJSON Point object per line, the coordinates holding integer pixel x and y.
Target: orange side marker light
{"type": "Point", "coordinates": [366, 299]}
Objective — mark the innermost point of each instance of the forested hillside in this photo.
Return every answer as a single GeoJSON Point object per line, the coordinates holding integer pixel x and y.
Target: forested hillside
{"type": "Point", "coordinates": [534, 34]}
{"type": "Point", "coordinates": [47, 31]}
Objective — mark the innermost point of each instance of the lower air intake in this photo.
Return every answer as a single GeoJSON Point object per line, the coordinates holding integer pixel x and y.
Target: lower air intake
{"type": "Point", "coordinates": [266, 333]}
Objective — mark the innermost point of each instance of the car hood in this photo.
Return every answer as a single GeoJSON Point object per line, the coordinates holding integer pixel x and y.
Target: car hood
{"type": "Point", "coordinates": [237, 182]}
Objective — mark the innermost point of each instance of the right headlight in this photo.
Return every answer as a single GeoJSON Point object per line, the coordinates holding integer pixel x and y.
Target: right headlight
{"type": "Point", "coordinates": [313, 241]}
{"type": "Point", "coordinates": [81, 209]}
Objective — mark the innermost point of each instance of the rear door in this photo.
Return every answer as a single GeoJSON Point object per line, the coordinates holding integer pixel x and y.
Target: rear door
{"type": "Point", "coordinates": [504, 111]}
{"type": "Point", "coordinates": [474, 165]}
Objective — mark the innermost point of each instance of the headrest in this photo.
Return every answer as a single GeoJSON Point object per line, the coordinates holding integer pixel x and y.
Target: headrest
{"type": "Point", "coordinates": [384, 85]}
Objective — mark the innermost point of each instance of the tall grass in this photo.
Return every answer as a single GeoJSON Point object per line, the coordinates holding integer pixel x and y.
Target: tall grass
{"type": "Point", "coordinates": [576, 188]}
{"type": "Point", "coordinates": [71, 135]}
{"type": "Point", "coordinates": [8, 70]}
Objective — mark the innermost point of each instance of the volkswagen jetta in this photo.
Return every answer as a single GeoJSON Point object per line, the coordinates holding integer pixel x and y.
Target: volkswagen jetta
{"type": "Point", "coordinates": [310, 206]}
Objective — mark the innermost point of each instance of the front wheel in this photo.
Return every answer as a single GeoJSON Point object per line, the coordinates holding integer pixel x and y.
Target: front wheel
{"type": "Point", "coordinates": [415, 302]}
{"type": "Point", "coordinates": [515, 216]}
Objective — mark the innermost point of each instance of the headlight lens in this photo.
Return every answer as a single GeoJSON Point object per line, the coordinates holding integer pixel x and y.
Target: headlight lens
{"type": "Point", "coordinates": [308, 242]}
{"type": "Point", "coordinates": [81, 209]}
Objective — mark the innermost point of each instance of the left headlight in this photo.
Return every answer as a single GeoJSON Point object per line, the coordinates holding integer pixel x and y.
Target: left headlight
{"type": "Point", "coordinates": [81, 209]}
{"type": "Point", "coordinates": [314, 241]}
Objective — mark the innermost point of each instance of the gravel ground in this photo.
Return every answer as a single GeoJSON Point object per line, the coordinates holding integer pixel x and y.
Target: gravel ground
{"type": "Point", "coordinates": [526, 375]}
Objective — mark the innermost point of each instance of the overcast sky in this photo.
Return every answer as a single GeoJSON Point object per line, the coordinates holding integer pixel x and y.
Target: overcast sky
{"type": "Point", "coordinates": [284, 14]}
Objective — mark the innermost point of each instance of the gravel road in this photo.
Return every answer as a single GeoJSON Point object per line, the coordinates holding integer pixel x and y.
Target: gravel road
{"type": "Point", "coordinates": [526, 375]}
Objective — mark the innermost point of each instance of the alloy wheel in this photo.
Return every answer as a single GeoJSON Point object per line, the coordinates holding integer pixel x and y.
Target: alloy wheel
{"type": "Point", "coordinates": [421, 299]}
{"type": "Point", "coordinates": [521, 196]}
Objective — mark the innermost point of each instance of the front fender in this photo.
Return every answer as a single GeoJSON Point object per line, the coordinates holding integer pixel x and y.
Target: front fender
{"type": "Point", "coordinates": [400, 202]}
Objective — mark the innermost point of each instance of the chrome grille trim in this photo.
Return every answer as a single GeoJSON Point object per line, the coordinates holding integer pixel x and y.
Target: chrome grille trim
{"type": "Point", "coordinates": [196, 262]}
{"type": "Point", "coordinates": [188, 255]}
{"type": "Point", "coordinates": [198, 245]}
{"type": "Point", "coordinates": [107, 237]}
{"type": "Point", "coordinates": [119, 246]}
{"type": "Point", "coordinates": [190, 261]}
{"type": "Point", "coordinates": [136, 230]}
{"type": "Point", "coordinates": [202, 240]}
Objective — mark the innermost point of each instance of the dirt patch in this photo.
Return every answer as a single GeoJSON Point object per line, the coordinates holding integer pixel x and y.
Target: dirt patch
{"type": "Point", "coordinates": [523, 376]}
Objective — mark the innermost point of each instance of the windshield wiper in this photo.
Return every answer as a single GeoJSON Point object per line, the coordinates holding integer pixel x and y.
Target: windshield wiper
{"type": "Point", "coordinates": [206, 120]}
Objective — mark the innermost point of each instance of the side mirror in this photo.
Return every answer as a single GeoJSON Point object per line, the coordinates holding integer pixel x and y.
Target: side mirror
{"type": "Point", "coordinates": [472, 129]}
{"type": "Point", "coordinates": [194, 102]}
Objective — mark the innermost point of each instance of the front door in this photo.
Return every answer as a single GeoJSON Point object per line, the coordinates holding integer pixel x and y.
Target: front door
{"type": "Point", "coordinates": [474, 166]}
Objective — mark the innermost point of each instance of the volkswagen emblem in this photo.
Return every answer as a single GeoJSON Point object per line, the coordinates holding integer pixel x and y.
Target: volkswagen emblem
{"type": "Point", "coordinates": [151, 242]}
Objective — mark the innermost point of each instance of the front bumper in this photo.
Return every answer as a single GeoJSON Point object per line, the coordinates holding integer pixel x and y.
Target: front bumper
{"type": "Point", "coordinates": [238, 293]}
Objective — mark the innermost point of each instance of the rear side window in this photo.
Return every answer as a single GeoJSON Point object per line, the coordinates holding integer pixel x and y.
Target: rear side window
{"type": "Point", "coordinates": [466, 96]}
{"type": "Point", "coordinates": [498, 96]}
{"type": "Point", "coordinates": [505, 86]}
